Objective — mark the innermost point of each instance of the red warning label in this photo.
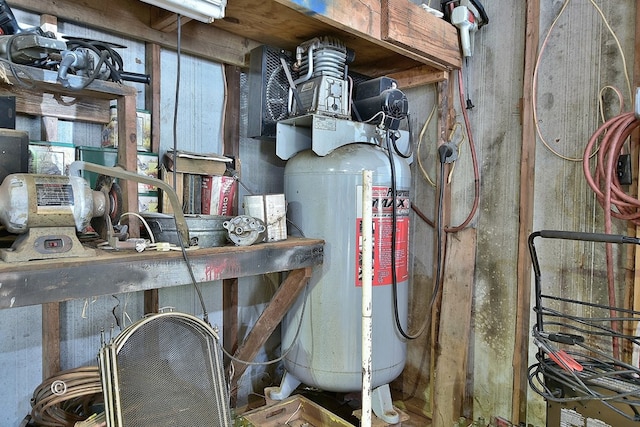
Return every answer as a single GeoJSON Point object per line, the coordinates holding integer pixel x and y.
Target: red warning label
{"type": "Point", "coordinates": [383, 204]}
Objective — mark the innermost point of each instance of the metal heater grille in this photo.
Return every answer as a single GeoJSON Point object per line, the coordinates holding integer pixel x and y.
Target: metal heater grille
{"type": "Point", "coordinates": [268, 91]}
{"type": "Point", "coordinates": [165, 370]}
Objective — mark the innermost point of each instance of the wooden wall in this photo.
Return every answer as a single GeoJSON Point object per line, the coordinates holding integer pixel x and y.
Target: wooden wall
{"type": "Point", "coordinates": [580, 59]}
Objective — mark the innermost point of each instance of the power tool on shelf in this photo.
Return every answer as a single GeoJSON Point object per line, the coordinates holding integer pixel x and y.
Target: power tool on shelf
{"type": "Point", "coordinates": [47, 211]}
{"type": "Point", "coordinates": [88, 58]}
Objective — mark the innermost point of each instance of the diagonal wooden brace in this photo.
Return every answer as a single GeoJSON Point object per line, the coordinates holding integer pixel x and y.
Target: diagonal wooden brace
{"type": "Point", "coordinates": [270, 318]}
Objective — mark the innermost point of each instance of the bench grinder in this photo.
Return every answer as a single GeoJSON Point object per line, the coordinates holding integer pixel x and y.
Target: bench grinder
{"type": "Point", "coordinates": [45, 211]}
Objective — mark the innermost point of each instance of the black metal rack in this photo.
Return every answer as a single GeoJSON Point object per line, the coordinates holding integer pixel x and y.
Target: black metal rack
{"type": "Point", "coordinates": [579, 358]}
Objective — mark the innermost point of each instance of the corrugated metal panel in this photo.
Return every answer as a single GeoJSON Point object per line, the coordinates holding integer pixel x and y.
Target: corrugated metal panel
{"type": "Point", "coordinates": [20, 361]}
{"type": "Point", "coordinates": [200, 103]}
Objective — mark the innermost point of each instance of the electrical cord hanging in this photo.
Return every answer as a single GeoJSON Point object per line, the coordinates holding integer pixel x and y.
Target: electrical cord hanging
{"type": "Point", "coordinates": [444, 151]}
{"type": "Point", "coordinates": [194, 282]}
{"type": "Point", "coordinates": [534, 96]}
{"type": "Point", "coordinates": [606, 186]}
{"type": "Point", "coordinates": [394, 279]}
{"type": "Point", "coordinates": [474, 160]}
{"type": "Point", "coordinates": [423, 131]}
{"type": "Point", "coordinates": [283, 354]}
{"type": "Point", "coordinates": [107, 57]}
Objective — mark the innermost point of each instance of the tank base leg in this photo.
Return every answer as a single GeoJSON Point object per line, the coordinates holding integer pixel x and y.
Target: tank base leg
{"type": "Point", "coordinates": [382, 405]}
{"type": "Point", "coordinates": [288, 384]}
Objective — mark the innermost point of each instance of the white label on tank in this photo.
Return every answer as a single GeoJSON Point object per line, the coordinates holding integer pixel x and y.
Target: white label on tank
{"type": "Point", "coordinates": [324, 123]}
{"type": "Point", "coordinates": [571, 418]}
{"type": "Point", "coordinates": [592, 422]}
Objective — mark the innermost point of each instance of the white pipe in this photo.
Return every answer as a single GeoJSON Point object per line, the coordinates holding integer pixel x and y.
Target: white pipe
{"type": "Point", "coordinates": [367, 279]}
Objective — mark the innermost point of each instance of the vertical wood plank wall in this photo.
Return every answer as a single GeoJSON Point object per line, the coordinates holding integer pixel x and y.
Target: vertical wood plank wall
{"type": "Point", "coordinates": [517, 197]}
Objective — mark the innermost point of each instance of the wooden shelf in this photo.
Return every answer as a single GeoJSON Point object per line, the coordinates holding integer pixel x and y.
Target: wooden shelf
{"type": "Point", "coordinates": [31, 283]}
{"type": "Point", "coordinates": [389, 37]}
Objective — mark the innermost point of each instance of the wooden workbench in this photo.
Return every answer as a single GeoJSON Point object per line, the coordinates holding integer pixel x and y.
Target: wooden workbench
{"type": "Point", "coordinates": [41, 282]}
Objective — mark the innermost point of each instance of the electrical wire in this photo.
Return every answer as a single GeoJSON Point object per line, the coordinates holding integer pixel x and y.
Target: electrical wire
{"type": "Point", "coordinates": [606, 185]}
{"type": "Point", "coordinates": [144, 222]}
{"type": "Point", "coordinates": [421, 135]}
{"type": "Point", "coordinates": [474, 160]}
{"type": "Point", "coordinates": [441, 230]}
{"type": "Point", "coordinates": [66, 397]}
{"type": "Point", "coordinates": [534, 102]}
{"type": "Point", "coordinates": [603, 179]}
{"type": "Point", "coordinates": [394, 221]}
{"type": "Point", "coordinates": [194, 282]}
{"type": "Point", "coordinates": [107, 57]}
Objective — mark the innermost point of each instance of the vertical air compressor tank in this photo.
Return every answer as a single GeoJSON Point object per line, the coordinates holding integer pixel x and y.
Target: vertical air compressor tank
{"type": "Point", "coordinates": [324, 196]}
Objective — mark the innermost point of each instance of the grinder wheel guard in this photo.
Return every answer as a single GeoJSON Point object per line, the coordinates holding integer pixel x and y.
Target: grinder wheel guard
{"type": "Point", "coordinates": [113, 192]}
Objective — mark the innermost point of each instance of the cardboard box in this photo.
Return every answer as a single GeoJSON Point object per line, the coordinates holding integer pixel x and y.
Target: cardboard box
{"type": "Point", "coordinates": [218, 193]}
{"type": "Point", "coordinates": [167, 177]}
{"type": "Point", "coordinates": [148, 202]}
{"type": "Point", "coordinates": [293, 411]}
{"type": "Point", "coordinates": [51, 158]}
{"type": "Point", "coordinates": [148, 166]}
{"type": "Point", "coordinates": [199, 164]}
{"type": "Point", "coordinates": [272, 210]}
{"type": "Point", "coordinates": [143, 130]}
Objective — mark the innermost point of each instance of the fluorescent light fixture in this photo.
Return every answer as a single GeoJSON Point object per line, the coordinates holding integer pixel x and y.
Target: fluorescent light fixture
{"type": "Point", "coordinates": [202, 10]}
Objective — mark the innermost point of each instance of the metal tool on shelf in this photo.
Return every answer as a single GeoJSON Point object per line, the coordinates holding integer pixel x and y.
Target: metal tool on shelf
{"type": "Point", "coordinates": [47, 210]}
{"type": "Point", "coordinates": [244, 230]}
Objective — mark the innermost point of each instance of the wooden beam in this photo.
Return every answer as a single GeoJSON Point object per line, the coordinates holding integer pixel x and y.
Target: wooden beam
{"type": "Point", "coordinates": [50, 339]}
{"type": "Point", "coordinates": [231, 147]}
{"type": "Point", "coordinates": [455, 324]}
{"type": "Point", "coordinates": [128, 157]}
{"type": "Point", "coordinates": [165, 21]}
{"type": "Point", "coordinates": [527, 179]}
{"type": "Point", "coordinates": [152, 94]}
{"type": "Point", "coordinates": [280, 23]}
{"type": "Point", "coordinates": [29, 283]}
{"type": "Point", "coordinates": [408, 25]}
{"type": "Point", "coordinates": [230, 324]}
{"type": "Point", "coordinates": [59, 106]}
{"type": "Point", "coordinates": [50, 311]}
{"type": "Point", "coordinates": [132, 19]}
{"type": "Point", "coordinates": [418, 76]}
{"type": "Point", "coordinates": [361, 18]}
{"type": "Point", "coordinates": [271, 317]}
